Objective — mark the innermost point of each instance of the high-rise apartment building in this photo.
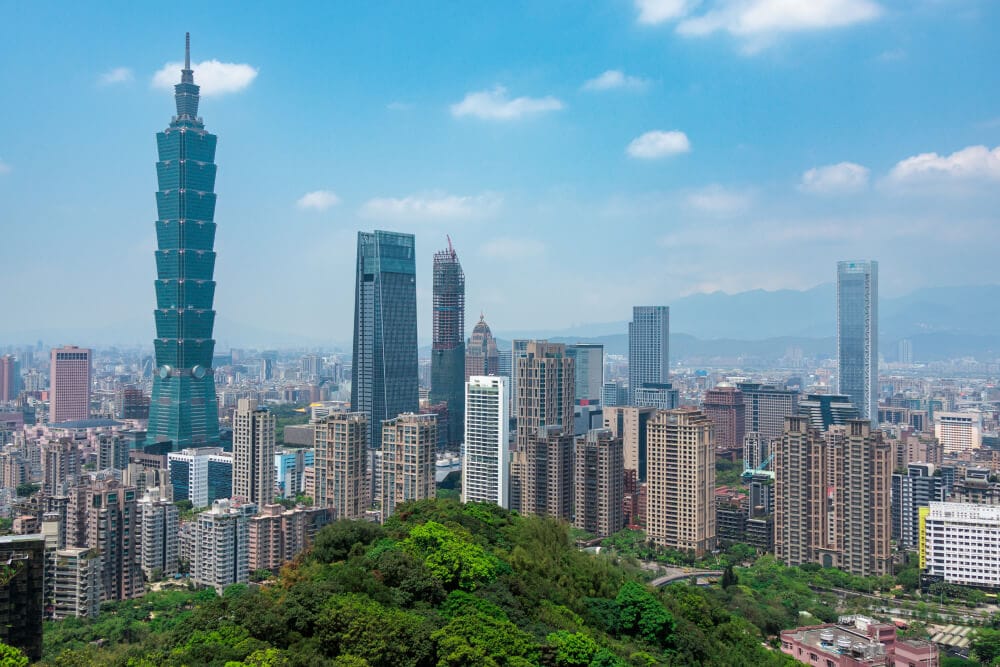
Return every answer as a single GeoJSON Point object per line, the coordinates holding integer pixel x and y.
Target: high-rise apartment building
{"type": "Point", "coordinates": [341, 469]}
{"type": "Point", "coordinates": [131, 403]}
{"type": "Point", "coordinates": [112, 520]}
{"type": "Point", "coordinates": [60, 466]}
{"type": "Point", "coordinates": [766, 407]}
{"type": "Point", "coordinates": [408, 462]}
{"type": "Point", "coordinates": [724, 406]}
{"type": "Point", "coordinates": [648, 347]}
{"type": "Point", "coordinates": [588, 369]}
{"type": "Point", "coordinates": [546, 383]}
{"type": "Point", "coordinates": [69, 384]}
{"type": "Point", "coordinates": [832, 497]}
{"type": "Point", "coordinates": [630, 423]}
{"type": "Point", "coordinates": [384, 372]}
{"type": "Point", "coordinates": [112, 452]}
{"type": "Point", "coordinates": [917, 488]}
{"type": "Point", "coordinates": [481, 355]}
{"type": "Point", "coordinates": [857, 335]}
{"type": "Point", "coordinates": [253, 453]}
{"type": "Point", "coordinates": [158, 537]}
{"type": "Point", "coordinates": [221, 541]}
{"type": "Point", "coordinates": [10, 379]}
{"type": "Point", "coordinates": [826, 410]}
{"type": "Point", "coordinates": [599, 483]}
{"type": "Point", "coordinates": [74, 589]}
{"type": "Point", "coordinates": [184, 408]}
{"type": "Point", "coordinates": [448, 343]}
{"type": "Point", "coordinates": [22, 591]}
{"type": "Point", "coordinates": [680, 510]}
{"type": "Point", "coordinates": [486, 466]}
{"type": "Point", "coordinates": [518, 350]}
{"type": "Point", "coordinates": [277, 535]}
{"type": "Point", "coordinates": [958, 432]}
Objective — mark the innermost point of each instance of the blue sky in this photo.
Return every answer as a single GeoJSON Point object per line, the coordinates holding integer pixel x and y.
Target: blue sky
{"type": "Point", "coordinates": [583, 157]}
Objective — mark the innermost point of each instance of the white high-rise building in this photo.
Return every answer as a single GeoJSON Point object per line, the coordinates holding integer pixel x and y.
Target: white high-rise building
{"type": "Point", "coordinates": [75, 583]}
{"type": "Point", "coordinates": [222, 545]}
{"type": "Point", "coordinates": [158, 544]}
{"type": "Point", "coordinates": [960, 543]}
{"type": "Point", "coordinates": [857, 335]}
{"type": "Point", "coordinates": [958, 431]}
{"type": "Point", "coordinates": [648, 348]}
{"type": "Point", "coordinates": [253, 453]}
{"type": "Point", "coordinates": [486, 461]}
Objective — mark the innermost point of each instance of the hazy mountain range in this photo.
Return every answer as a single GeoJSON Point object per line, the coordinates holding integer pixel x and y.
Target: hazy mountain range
{"type": "Point", "coordinates": [942, 322]}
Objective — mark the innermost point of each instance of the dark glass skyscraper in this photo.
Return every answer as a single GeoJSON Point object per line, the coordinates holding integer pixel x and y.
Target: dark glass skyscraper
{"type": "Point", "coordinates": [448, 345]}
{"type": "Point", "coordinates": [857, 335]}
{"type": "Point", "coordinates": [384, 373]}
{"type": "Point", "coordinates": [183, 409]}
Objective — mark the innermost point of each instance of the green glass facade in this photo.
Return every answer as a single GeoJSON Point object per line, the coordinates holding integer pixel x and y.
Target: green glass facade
{"type": "Point", "coordinates": [184, 408]}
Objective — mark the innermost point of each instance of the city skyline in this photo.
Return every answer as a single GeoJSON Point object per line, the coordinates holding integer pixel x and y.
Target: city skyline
{"type": "Point", "coordinates": [784, 173]}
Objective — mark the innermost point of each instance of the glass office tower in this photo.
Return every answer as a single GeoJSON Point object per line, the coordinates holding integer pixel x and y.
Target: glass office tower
{"type": "Point", "coordinates": [857, 335]}
{"type": "Point", "coordinates": [384, 373]}
{"type": "Point", "coordinates": [183, 409]}
{"type": "Point", "coordinates": [448, 345]}
{"type": "Point", "coordinates": [648, 348]}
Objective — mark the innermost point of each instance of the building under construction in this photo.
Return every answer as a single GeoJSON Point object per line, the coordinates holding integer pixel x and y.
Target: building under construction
{"type": "Point", "coordinates": [448, 346]}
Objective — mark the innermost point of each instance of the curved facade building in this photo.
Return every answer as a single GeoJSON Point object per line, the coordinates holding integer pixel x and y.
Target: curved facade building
{"type": "Point", "coordinates": [184, 409]}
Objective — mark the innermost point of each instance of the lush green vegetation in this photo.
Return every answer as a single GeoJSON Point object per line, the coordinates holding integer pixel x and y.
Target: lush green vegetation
{"type": "Point", "coordinates": [286, 415]}
{"type": "Point", "coordinates": [440, 584]}
{"type": "Point", "coordinates": [728, 473]}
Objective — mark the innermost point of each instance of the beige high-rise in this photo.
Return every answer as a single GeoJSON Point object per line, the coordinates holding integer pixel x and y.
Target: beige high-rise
{"type": "Point", "coordinates": [408, 444]}
{"type": "Point", "coordinates": [629, 423]}
{"type": "Point", "coordinates": [341, 463]}
{"type": "Point", "coordinates": [681, 475]}
{"type": "Point", "coordinates": [542, 468]}
{"type": "Point", "coordinates": [253, 453]}
{"type": "Point", "coordinates": [599, 480]}
{"type": "Point", "coordinates": [831, 494]}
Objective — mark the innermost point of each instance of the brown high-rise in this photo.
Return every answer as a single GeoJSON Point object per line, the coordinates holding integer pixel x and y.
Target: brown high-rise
{"type": "Point", "coordinates": [8, 378]}
{"type": "Point", "coordinates": [724, 406]}
{"type": "Point", "coordinates": [599, 480]}
{"type": "Point", "coordinates": [680, 512]}
{"type": "Point", "coordinates": [69, 384]}
{"type": "Point", "coordinates": [831, 497]}
{"type": "Point", "coordinates": [341, 467]}
{"type": "Point", "coordinates": [408, 445]}
{"type": "Point", "coordinates": [542, 470]}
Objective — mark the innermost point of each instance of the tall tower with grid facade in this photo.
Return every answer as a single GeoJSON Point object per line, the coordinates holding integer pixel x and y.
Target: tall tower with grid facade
{"type": "Point", "coordinates": [448, 345]}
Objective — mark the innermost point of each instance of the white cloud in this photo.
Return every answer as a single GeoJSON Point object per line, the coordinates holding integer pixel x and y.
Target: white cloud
{"type": "Point", "coordinates": [495, 105]}
{"type": "Point", "coordinates": [974, 163]}
{"type": "Point", "coordinates": [717, 200]}
{"type": "Point", "coordinates": [116, 75]}
{"type": "Point", "coordinates": [512, 249]}
{"type": "Point", "coordinates": [840, 178]}
{"type": "Point", "coordinates": [754, 18]}
{"type": "Point", "coordinates": [657, 144]}
{"type": "Point", "coordinates": [4, 168]}
{"type": "Point", "coordinates": [431, 207]}
{"type": "Point", "coordinates": [318, 200]}
{"type": "Point", "coordinates": [214, 77]}
{"type": "Point", "coordinates": [652, 12]}
{"type": "Point", "coordinates": [615, 79]}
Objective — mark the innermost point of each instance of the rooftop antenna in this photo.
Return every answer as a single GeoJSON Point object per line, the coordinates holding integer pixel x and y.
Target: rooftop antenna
{"type": "Point", "coordinates": [451, 250]}
{"type": "Point", "coordinates": [187, 50]}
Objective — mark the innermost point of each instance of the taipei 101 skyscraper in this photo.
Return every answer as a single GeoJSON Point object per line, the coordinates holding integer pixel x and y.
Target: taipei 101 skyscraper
{"type": "Point", "coordinates": [184, 408]}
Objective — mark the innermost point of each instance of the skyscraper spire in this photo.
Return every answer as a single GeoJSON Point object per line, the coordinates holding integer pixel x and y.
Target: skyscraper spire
{"type": "Point", "coordinates": [186, 93]}
{"type": "Point", "coordinates": [187, 74]}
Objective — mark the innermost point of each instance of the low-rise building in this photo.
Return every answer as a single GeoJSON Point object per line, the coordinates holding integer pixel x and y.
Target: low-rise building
{"type": "Point", "coordinates": [856, 641]}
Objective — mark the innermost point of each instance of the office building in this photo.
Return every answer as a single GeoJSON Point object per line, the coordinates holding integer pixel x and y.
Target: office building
{"type": "Point", "coordinates": [766, 407]}
{"type": "Point", "coordinates": [481, 355]}
{"type": "Point", "coordinates": [958, 543]}
{"type": "Point", "coordinates": [201, 475]}
{"type": "Point", "coordinates": [384, 370]}
{"type": "Point", "coordinates": [69, 384]}
{"type": "Point", "coordinates": [184, 409]}
{"type": "Point", "coordinates": [648, 347]}
{"type": "Point", "coordinates": [486, 464]}
{"type": "Point", "coordinates": [857, 335]}
{"type": "Point", "coordinates": [588, 369]}
{"type": "Point", "coordinates": [341, 469]}
{"type": "Point", "coordinates": [448, 344]}
{"type": "Point", "coordinates": [112, 520]}
{"type": "Point", "coordinates": [599, 483]}
{"type": "Point", "coordinates": [680, 452]}
{"type": "Point", "coordinates": [221, 545]}
{"type": "Point", "coordinates": [659, 395]}
{"type": "Point", "coordinates": [158, 538]}
{"type": "Point", "coordinates": [630, 423]}
{"type": "Point", "coordinates": [613, 394]}
{"type": "Point", "coordinates": [10, 379]}
{"type": "Point", "coordinates": [724, 406]}
{"type": "Point", "coordinates": [408, 461]}
{"type": "Point", "coordinates": [919, 487]}
{"type": "Point", "coordinates": [832, 497]}
{"type": "Point", "coordinates": [253, 453]}
{"type": "Point", "coordinates": [22, 591]}
{"type": "Point", "coordinates": [958, 432]}
{"type": "Point", "coordinates": [74, 589]}
{"type": "Point", "coordinates": [826, 410]}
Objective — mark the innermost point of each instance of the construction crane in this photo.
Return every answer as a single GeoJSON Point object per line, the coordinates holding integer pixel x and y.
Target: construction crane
{"type": "Point", "coordinates": [762, 468]}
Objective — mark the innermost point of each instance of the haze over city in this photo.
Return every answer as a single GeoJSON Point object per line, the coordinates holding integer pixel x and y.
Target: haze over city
{"type": "Point", "coordinates": [615, 153]}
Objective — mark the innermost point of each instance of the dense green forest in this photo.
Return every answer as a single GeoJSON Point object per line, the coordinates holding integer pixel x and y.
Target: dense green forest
{"type": "Point", "coordinates": [440, 584]}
